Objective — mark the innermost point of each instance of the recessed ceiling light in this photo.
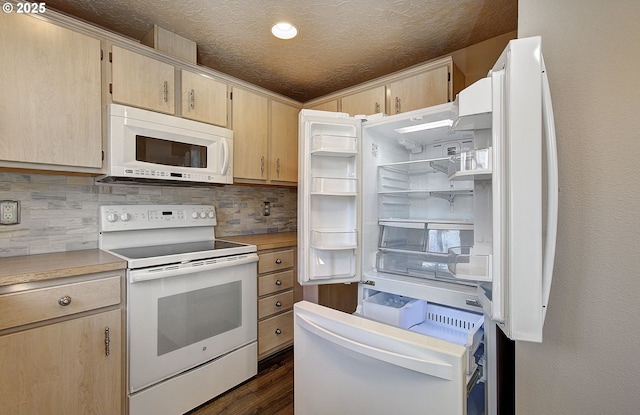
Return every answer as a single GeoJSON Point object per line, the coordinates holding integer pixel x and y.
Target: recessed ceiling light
{"type": "Point", "coordinates": [284, 30]}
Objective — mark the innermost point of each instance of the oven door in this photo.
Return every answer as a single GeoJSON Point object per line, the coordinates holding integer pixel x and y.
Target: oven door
{"type": "Point", "coordinates": [183, 315]}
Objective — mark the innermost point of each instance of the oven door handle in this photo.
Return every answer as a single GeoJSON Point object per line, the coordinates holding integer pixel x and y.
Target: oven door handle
{"type": "Point", "coordinates": [177, 270]}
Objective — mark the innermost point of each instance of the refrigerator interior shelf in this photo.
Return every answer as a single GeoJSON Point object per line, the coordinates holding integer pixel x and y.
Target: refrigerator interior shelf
{"type": "Point", "coordinates": [332, 145]}
{"type": "Point", "coordinates": [334, 186]}
{"type": "Point", "coordinates": [434, 165]}
{"type": "Point", "coordinates": [334, 240]}
{"type": "Point", "coordinates": [464, 265]}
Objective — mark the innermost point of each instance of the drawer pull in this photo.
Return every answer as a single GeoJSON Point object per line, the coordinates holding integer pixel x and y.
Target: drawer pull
{"type": "Point", "coordinates": [64, 301]}
{"type": "Point", "coordinates": [278, 282]}
{"type": "Point", "coordinates": [278, 303]}
{"type": "Point", "coordinates": [107, 341]}
{"type": "Point", "coordinates": [278, 261]}
{"type": "Point", "coordinates": [278, 331]}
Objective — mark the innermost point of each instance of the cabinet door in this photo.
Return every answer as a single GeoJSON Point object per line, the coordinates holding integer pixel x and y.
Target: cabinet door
{"type": "Point", "coordinates": [142, 81]}
{"type": "Point", "coordinates": [63, 368]}
{"type": "Point", "coordinates": [326, 106]}
{"type": "Point", "coordinates": [283, 154]}
{"type": "Point", "coordinates": [250, 121]}
{"type": "Point", "coordinates": [204, 99]}
{"type": "Point", "coordinates": [50, 105]}
{"type": "Point", "coordinates": [420, 91]}
{"type": "Point", "coordinates": [366, 102]}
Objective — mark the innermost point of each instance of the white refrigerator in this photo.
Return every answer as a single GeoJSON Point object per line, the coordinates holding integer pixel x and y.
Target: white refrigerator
{"type": "Point", "coordinates": [446, 218]}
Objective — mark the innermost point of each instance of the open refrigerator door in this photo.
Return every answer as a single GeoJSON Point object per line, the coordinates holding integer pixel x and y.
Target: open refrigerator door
{"type": "Point", "coordinates": [438, 213]}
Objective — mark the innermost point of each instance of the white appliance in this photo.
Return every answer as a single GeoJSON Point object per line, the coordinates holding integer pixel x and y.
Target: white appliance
{"type": "Point", "coordinates": [191, 305]}
{"type": "Point", "coordinates": [438, 215]}
{"type": "Point", "coordinates": [147, 146]}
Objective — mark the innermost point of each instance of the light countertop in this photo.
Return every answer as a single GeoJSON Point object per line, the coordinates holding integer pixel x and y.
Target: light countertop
{"type": "Point", "coordinates": [266, 240]}
{"type": "Point", "coordinates": [41, 267]}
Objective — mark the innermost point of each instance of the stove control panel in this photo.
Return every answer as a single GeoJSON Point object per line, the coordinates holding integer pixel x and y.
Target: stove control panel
{"type": "Point", "coordinates": [130, 217]}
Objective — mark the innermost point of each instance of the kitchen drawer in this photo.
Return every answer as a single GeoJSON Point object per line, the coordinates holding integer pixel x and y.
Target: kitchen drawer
{"type": "Point", "coordinates": [41, 304]}
{"type": "Point", "coordinates": [275, 304]}
{"type": "Point", "coordinates": [275, 332]}
{"type": "Point", "coordinates": [274, 261]}
{"type": "Point", "coordinates": [272, 283]}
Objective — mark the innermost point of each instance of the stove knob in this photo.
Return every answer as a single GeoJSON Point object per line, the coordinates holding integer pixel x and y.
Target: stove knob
{"type": "Point", "coordinates": [194, 215]}
{"type": "Point", "coordinates": [203, 215]}
{"type": "Point", "coordinates": [211, 215]}
{"type": "Point", "coordinates": [125, 217]}
{"type": "Point", "coordinates": [112, 217]}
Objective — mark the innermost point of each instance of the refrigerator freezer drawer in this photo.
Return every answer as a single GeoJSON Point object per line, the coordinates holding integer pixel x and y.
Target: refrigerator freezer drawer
{"type": "Point", "coordinates": [455, 326]}
{"type": "Point", "coordinates": [350, 365]}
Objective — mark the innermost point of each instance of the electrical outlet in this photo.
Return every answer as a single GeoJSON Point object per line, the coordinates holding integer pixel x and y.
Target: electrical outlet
{"type": "Point", "coordinates": [266, 208]}
{"type": "Point", "coordinates": [9, 212]}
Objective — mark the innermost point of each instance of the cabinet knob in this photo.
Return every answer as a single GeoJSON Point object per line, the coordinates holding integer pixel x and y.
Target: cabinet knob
{"type": "Point", "coordinates": [278, 282]}
{"type": "Point", "coordinates": [64, 301]}
{"type": "Point", "coordinates": [278, 331]}
{"type": "Point", "coordinates": [278, 261]}
{"type": "Point", "coordinates": [278, 303]}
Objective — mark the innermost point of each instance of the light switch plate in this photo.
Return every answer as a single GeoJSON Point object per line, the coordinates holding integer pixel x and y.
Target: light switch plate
{"type": "Point", "coordinates": [9, 212]}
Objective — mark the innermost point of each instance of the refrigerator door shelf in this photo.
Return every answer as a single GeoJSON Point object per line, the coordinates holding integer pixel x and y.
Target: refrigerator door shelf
{"type": "Point", "coordinates": [475, 164]}
{"type": "Point", "coordinates": [332, 145]}
{"type": "Point", "coordinates": [334, 186]}
{"type": "Point", "coordinates": [331, 264]}
{"type": "Point", "coordinates": [334, 239]}
{"type": "Point", "coordinates": [463, 264]}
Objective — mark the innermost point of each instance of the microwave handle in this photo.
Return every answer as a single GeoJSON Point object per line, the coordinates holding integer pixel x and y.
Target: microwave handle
{"type": "Point", "coordinates": [225, 150]}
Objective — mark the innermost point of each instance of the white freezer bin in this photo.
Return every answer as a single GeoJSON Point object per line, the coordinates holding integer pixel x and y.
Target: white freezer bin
{"type": "Point", "coordinates": [396, 310]}
{"type": "Point", "coordinates": [463, 328]}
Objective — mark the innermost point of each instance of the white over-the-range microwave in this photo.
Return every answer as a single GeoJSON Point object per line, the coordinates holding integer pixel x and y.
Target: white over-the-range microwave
{"type": "Point", "coordinates": [146, 146]}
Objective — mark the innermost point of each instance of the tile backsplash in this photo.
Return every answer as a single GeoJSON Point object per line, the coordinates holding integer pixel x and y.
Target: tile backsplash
{"type": "Point", "coordinates": [60, 213]}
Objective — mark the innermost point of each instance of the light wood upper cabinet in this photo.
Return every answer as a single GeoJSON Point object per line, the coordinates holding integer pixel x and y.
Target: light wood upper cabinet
{"type": "Point", "coordinates": [283, 153]}
{"type": "Point", "coordinates": [331, 105]}
{"type": "Point", "coordinates": [265, 139]}
{"type": "Point", "coordinates": [142, 81]}
{"type": "Point", "coordinates": [50, 105]}
{"type": "Point", "coordinates": [204, 99]}
{"type": "Point", "coordinates": [250, 133]}
{"type": "Point", "coordinates": [434, 86]}
{"type": "Point", "coordinates": [370, 101]}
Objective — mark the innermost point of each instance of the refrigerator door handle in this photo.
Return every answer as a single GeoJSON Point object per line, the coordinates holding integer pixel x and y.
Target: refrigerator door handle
{"type": "Point", "coordinates": [552, 190]}
{"type": "Point", "coordinates": [431, 368]}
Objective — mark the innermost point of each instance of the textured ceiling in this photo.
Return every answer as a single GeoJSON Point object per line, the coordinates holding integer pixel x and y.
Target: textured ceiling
{"type": "Point", "coordinates": [340, 42]}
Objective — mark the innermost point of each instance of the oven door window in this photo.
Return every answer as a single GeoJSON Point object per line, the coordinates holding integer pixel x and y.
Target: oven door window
{"type": "Point", "coordinates": [170, 153]}
{"type": "Point", "coordinates": [186, 318]}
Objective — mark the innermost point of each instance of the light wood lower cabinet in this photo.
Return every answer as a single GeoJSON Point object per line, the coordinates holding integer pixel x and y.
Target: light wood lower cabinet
{"type": "Point", "coordinates": [276, 281]}
{"type": "Point", "coordinates": [69, 365]}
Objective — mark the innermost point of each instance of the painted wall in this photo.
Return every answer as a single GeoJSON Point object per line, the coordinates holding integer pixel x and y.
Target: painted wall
{"type": "Point", "coordinates": [60, 213]}
{"type": "Point", "coordinates": [589, 362]}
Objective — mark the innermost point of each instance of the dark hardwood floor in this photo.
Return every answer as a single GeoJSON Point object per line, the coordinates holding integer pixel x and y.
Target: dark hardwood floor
{"type": "Point", "coordinates": [270, 392]}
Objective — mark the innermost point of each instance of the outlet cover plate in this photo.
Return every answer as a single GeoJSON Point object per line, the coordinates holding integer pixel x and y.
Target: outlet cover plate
{"type": "Point", "coordinates": [9, 212]}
